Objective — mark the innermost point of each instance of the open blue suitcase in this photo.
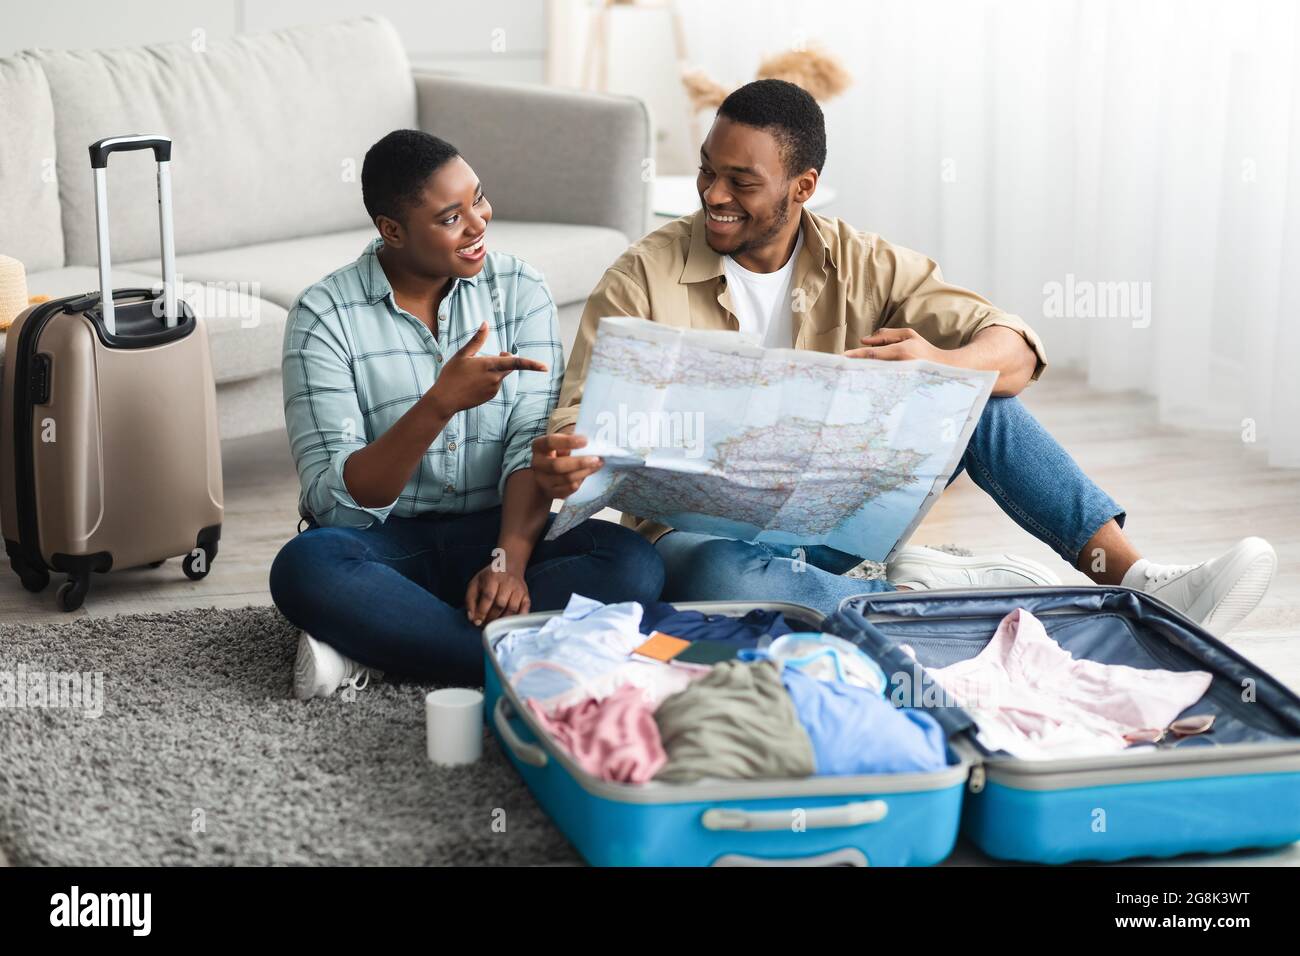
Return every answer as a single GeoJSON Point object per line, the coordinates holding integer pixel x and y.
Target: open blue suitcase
{"type": "Point", "coordinates": [1238, 786]}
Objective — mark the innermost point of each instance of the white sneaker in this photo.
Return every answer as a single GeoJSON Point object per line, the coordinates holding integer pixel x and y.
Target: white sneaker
{"type": "Point", "coordinates": [320, 670]}
{"type": "Point", "coordinates": [1218, 593]}
{"type": "Point", "coordinates": [925, 568]}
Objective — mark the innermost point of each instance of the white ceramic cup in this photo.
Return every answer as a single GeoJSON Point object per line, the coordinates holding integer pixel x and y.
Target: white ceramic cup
{"type": "Point", "coordinates": [453, 718]}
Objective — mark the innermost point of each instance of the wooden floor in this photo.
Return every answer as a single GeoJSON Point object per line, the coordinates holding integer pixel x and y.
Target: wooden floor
{"type": "Point", "coordinates": [1188, 497]}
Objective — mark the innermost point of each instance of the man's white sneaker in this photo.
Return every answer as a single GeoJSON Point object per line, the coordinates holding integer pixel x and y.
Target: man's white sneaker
{"type": "Point", "coordinates": [1218, 593]}
{"type": "Point", "coordinates": [927, 568]}
{"type": "Point", "coordinates": [320, 670]}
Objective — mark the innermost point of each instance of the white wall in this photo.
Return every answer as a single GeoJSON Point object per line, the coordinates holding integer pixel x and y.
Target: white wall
{"type": "Point", "coordinates": [505, 39]}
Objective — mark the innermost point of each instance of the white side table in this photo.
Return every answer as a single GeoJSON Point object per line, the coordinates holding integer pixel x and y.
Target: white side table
{"type": "Point", "coordinates": [676, 196]}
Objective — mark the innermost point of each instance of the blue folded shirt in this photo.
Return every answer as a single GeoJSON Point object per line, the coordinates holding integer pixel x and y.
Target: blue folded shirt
{"type": "Point", "coordinates": [855, 730]}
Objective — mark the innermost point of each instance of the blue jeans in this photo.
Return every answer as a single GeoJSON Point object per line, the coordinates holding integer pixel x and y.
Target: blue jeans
{"type": "Point", "coordinates": [1010, 455]}
{"type": "Point", "coordinates": [392, 596]}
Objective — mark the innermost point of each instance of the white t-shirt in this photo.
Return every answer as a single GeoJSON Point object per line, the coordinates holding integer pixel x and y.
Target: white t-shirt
{"type": "Point", "coordinates": [762, 299]}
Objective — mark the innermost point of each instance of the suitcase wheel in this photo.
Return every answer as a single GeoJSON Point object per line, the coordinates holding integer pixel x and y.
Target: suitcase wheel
{"type": "Point", "coordinates": [33, 579]}
{"type": "Point", "coordinates": [197, 563]}
{"type": "Point", "coordinates": [72, 592]}
{"type": "Point", "coordinates": [158, 564]}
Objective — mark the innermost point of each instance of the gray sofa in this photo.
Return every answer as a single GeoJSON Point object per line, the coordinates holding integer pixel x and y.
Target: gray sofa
{"type": "Point", "coordinates": [270, 131]}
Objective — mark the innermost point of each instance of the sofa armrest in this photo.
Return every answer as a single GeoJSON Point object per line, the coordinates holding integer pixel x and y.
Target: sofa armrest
{"type": "Point", "coordinates": [546, 154]}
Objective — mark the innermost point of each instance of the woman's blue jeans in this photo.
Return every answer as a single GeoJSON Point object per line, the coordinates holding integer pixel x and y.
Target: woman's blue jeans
{"type": "Point", "coordinates": [392, 596]}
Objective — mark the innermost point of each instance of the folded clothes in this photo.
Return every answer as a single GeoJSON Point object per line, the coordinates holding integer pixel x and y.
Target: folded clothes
{"type": "Point", "coordinates": [614, 738]}
{"type": "Point", "coordinates": [1031, 698]}
{"type": "Point", "coordinates": [697, 626]}
{"type": "Point", "coordinates": [735, 722]}
{"type": "Point", "coordinates": [630, 719]}
{"type": "Point", "coordinates": [823, 656]}
{"type": "Point", "coordinates": [607, 632]}
{"type": "Point", "coordinates": [584, 653]}
{"type": "Point", "coordinates": [856, 730]}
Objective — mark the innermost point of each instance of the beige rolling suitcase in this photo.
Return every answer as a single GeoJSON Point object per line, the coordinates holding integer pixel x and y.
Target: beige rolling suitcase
{"type": "Point", "coordinates": [109, 454]}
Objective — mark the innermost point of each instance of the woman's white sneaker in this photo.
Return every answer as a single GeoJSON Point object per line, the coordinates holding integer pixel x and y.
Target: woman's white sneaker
{"type": "Point", "coordinates": [1218, 593]}
{"type": "Point", "coordinates": [320, 670]}
{"type": "Point", "coordinates": [928, 568]}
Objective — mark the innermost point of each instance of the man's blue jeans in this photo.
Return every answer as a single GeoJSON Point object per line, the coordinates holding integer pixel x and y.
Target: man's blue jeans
{"type": "Point", "coordinates": [392, 596]}
{"type": "Point", "coordinates": [1010, 455]}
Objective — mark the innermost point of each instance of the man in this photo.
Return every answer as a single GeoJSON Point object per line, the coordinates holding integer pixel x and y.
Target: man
{"type": "Point", "coordinates": [753, 258]}
{"type": "Point", "coordinates": [412, 448]}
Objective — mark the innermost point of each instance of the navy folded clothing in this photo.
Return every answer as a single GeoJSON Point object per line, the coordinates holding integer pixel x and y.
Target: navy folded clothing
{"type": "Point", "coordinates": [698, 626]}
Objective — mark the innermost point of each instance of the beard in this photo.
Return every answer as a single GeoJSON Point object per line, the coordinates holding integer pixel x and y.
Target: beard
{"type": "Point", "coordinates": [770, 231]}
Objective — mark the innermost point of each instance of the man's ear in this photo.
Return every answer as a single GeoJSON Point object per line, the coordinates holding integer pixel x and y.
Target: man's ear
{"type": "Point", "coordinates": [805, 184]}
{"type": "Point", "coordinates": [391, 231]}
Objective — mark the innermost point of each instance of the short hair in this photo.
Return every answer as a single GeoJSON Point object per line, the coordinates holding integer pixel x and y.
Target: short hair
{"type": "Point", "coordinates": [789, 113]}
{"type": "Point", "coordinates": [397, 167]}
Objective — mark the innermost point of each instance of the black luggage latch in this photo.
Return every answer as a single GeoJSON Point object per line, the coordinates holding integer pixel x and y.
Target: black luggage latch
{"type": "Point", "coordinates": [39, 379]}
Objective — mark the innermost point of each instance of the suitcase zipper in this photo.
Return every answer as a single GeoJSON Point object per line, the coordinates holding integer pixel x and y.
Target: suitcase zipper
{"type": "Point", "coordinates": [24, 465]}
{"type": "Point", "coordinates": [976, 782]}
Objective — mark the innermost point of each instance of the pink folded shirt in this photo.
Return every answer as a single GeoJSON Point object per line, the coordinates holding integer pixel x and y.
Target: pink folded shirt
{"type": "Point", "coordinates": [1033, 700]}
{"type": "Point", "coordinates": [614, 738]}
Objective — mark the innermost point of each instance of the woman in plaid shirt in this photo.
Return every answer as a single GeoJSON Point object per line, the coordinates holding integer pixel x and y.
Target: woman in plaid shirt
{"type": "Point", "coordinates": [415, 380]}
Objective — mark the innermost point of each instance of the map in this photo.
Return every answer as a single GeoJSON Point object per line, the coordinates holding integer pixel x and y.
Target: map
{"type": "Point", "coordinates": [708, 431]}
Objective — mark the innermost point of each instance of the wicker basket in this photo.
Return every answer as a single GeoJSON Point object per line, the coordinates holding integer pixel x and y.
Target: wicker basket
{"type": "Point", "coordinates": [13, 290]}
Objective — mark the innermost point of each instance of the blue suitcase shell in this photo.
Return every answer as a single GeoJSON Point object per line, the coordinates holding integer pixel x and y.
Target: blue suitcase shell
{"type": "Point", "coordinates": [883, 819]}
{"type": "Point", "coordinates": [1236, 787]}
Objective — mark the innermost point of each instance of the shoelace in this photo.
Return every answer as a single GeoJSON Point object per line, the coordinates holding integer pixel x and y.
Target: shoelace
{"type": "Point", "coordinates": [360, 680]}
{"type": "Point", "coordinates": [1168, 572]}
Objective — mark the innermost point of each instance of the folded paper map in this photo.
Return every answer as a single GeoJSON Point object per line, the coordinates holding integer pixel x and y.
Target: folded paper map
{"type": "Point", "coordinates": [708, 431]}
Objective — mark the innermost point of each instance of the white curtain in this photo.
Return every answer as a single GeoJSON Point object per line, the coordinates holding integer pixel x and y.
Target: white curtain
{"type": "Point", "coordinates": [1125, 175]}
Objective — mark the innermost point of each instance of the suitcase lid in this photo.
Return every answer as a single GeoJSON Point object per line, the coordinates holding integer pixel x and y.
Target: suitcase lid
{"type": "Point", "coordinates": [859, 619]}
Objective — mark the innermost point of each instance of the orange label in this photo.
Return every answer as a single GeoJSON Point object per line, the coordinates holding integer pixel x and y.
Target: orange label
{"type": "Point", "coordinates": [662, 647]}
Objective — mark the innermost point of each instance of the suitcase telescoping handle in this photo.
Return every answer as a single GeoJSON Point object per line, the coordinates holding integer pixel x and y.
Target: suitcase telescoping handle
{"type": "Point", "coordinates": [162, 151]}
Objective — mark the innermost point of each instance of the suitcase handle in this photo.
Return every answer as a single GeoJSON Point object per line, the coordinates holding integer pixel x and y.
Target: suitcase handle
{"type": "Point", "coordinates": [162, 151]}
{"type": "Point", "coordinates": [849, 856]}
{"type": "Point", "coordinates": [99, 150]}
{"type": "Point", "coordinates": [854, 814]}
{"type": "Point", "coordinates": [530, 754]}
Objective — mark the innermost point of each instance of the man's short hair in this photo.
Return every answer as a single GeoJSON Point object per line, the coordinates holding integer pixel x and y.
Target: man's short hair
{"type": "Point", "coordinates": [396, 169]}
{"type": "Point", "coordinates": [789, 113]}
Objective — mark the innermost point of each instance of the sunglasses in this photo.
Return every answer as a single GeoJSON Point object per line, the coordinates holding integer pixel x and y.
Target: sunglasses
{"type": "Point", "coordinates": [1183, 727]}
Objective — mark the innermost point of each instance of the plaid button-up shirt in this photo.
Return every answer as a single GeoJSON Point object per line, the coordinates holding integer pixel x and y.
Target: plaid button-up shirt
{"type": "Point", "coordinates": [354, 362]}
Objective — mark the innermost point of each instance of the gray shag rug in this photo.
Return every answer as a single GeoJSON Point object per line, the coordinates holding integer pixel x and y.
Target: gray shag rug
{"type": "Point", "coordinates": [202, 756]}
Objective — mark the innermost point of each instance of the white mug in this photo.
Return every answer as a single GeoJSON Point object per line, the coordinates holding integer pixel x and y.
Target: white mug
{"type": "Point", "coordinates": [453, 718]}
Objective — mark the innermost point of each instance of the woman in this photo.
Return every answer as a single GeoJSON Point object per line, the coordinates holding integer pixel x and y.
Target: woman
{"type": "Point", "coordinates": [415, 380]}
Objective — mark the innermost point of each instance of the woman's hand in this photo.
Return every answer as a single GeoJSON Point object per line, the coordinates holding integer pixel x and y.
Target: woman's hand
{"type": "Point", "coordinates": [470, 379]}
{"type": "Point", "coordinates": [493, 594]}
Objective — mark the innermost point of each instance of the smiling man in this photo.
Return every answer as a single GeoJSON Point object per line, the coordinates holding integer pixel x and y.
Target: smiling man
{"type": "Point", "coordinates": [415, 379]}
{"type": "Point", "coordinates": [754, 259]}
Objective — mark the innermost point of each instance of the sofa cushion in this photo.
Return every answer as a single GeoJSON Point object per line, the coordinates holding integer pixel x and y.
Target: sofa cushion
{"type": "Point", "coordinates": [244, 332]}
{"type": "Point", "coordinates": [572, 259]}
{"type": "Point", "coordinates": [31, 229]}
{"type": "Point", "coordinates": [270, 131]}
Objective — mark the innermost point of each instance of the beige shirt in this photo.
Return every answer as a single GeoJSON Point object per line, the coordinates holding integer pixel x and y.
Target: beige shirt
{"type": "Point", "coordinates": [847, 284]}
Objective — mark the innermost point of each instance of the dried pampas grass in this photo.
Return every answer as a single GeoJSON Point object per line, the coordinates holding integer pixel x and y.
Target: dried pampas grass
{"type": "Point", "coordinates": [814, 69]}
